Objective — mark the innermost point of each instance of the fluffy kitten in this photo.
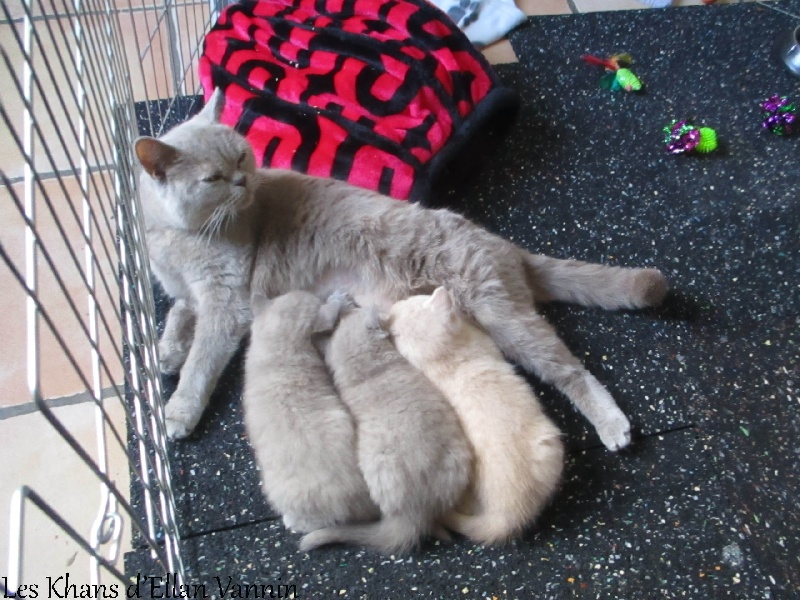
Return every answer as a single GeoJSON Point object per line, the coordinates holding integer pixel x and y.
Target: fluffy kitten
{"type": "Point", "coordinates": [411, 449]}
{"type": "Point", "coordinates": [519, 455]}
{"type": "Point", "coordinates": [218, 228]}
{"type": "Point", "coordinates": [302, 434]}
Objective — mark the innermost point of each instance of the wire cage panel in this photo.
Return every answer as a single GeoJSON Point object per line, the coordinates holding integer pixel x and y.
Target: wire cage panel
{"type": "Point", "coordinates": [85, 474]}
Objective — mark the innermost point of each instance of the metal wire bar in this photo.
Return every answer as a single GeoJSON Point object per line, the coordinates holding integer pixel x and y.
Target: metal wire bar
{"type": "Point", "coordinates": [93, 79]}
{"type": "Point", "coordinates": [31, 228]}
{"type": "Point", "coordinates": [93, 120]}
{"type": "Point", "coordinates": [27, 154]}
{"type": "Point", "coordinates": [50, 205]}
{"type": "Point", "coordinates": [47, 411]}
{"type": "Point", "coordinates": [18, 510]}
{"type": "Point", "coordinates": [131, 416]}
{"type": "Point", "coordinates": [195, 54]}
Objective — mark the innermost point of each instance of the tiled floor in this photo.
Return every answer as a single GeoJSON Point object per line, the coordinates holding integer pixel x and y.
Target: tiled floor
{"type": "Point", "coordinates": [32, 452]}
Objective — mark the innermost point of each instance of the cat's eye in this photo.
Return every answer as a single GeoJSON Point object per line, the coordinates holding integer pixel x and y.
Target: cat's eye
{"type": "Point", "coordinates": [212, 178]}
{"type": "Point", "coordinates": [241, 158]}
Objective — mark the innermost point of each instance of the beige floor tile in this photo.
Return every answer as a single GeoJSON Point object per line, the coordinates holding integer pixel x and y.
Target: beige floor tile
{"type": "Point", "coordinates": [152, 4]}
{"type": "Point", "coordinates": [544, 7]}
{"type": "Point", "coordinates": [37, 7]}
{"type": "Point", "coordinates": [500, 53]}
{"type": "Point", "coordinates": [146, 41]}
{"type": "Point", "coordinates": [61, 8]}
{"type": "Point", "coordinates": [56, 91]}
{"type": "Point", "coordinates": [14, 8]}
{"type": "Point", "coordinates": [11, 98]}
{"type": "Point", "coordinates": [193, 21]}
{"type": "Point", "coordinates": [58, 376]}
{"type": "Point", "coordinates": [35, 455]}
{"type": "Point", "coordinates": [13, 362]}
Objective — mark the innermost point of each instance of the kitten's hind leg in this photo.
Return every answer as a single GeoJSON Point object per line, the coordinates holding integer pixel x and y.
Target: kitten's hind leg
{"type": "Point", "coordinates": [526, 338]}
{"type": "Point", "coordinates": [173, 348]}
{"type": "Point", "coordinates": [591, 284]}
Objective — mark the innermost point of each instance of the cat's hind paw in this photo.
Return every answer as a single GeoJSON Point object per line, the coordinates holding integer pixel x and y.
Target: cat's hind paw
{"type": "Point", "coordinates": [650, 287]}
{"type": "Point", "coordinates": [615, 432]}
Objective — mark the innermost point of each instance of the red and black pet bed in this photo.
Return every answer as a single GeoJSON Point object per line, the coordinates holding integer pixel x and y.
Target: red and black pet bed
{"type": "Point", "coordinates": [379, 93]}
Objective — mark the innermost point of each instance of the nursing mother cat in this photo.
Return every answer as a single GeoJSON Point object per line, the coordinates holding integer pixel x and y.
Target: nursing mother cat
{"type": "Point", "coordinates": [218, 228]}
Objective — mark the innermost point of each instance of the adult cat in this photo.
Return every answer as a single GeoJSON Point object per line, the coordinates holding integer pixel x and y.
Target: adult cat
{"type": "Point", "coordinates": [218, 228]}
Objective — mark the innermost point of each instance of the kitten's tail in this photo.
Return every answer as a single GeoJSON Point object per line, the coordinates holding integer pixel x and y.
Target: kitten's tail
{"type": "Point", "coordinates": [508, 510]}
{"type": "Point", "coordinates": [590, 284]}
{"type": "Point", "coordinates": [488, 529]}
{"type": "Point", "coordinates": [390, 535]}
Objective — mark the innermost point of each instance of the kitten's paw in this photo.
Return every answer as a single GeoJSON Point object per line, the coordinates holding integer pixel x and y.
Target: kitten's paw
{"type": "Point", "coordinates": [299, 524]}
{"type": "Point", "coordinates": [615, 432]}
{"type": "Point", "coordinates": [171, 356]}
{"type": "Point", "coordinates": [182, 417]}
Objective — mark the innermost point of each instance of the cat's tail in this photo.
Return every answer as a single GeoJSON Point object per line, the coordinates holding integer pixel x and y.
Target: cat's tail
{"type": "Point", "coordinates": [590, 284]}
{"type": "Point", "coordinates": [390, 535]}
{"type": "Point", "coordinates": [488, 529]}
{"type": "Point", "coordinates": [508, 509]}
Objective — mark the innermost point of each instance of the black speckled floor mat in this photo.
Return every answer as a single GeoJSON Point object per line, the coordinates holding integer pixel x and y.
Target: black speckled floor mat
{"type": "Point", "coordinates": [705, 503]}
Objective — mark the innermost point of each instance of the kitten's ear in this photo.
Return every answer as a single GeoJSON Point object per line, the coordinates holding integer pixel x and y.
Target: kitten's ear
{"type": "Point", "coordinates": [259, 302]}
{"type": "Point", "coordinates": [441, 301]}
{"type": "Point", "coordinates": [155, 156]}
{"type": "Point", "coordinates": [442, 304]}
{"type": "Point", "coordinates": [213, 108]}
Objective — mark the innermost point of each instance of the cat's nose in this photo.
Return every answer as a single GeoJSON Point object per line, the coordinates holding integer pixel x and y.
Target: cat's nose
{"type": "Point", "coordinates": [240, 179]}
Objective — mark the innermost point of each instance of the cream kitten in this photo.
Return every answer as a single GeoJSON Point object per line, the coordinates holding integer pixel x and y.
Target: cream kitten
{"type": "Point", "coordinates": [414, 455]}
{"type": "Point", "coordinates": [519, 454]}
{"type": "Point", "coordinates": [218, 228]}
{"type": "Point", "coordinates": [302, 434]}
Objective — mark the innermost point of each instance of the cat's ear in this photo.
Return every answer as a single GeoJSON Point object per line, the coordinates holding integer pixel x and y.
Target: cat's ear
{"type": "Point", "coordinates": [155, 156]}
{"type": "Point", "coordinates": [441, 301]}
{"type": "Point", "coordinates": [259, 302]}
{"type": "Point", "coordinates": [213, 108]}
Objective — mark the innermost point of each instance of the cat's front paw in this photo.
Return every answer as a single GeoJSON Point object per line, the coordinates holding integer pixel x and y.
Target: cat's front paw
{"type": "Point", "coordinates": [615, 431]}
{"type": "Point", "coordinates": [172, 356]}
{"type": "Point", "coordinates": [182, 416]}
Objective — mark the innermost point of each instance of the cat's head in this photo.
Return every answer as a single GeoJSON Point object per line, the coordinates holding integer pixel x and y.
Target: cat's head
{"type": "Point", "coordinates": [295, 311]}
{"type": "Point", "coordinates": [197, 175]}
{"type": "Point", "coordinates": [424, 327]}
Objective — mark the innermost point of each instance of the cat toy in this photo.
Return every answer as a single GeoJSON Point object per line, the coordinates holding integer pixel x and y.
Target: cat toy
{"type": "Point", "coordinates": [780, 115]}
{"type": "Point", "coordinates": [619, 77]}
{"type": "Point", "coordinates": [682, 137]}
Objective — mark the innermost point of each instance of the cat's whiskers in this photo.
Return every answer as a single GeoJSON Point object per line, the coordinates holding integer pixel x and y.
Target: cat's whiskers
{"type": "Point", "coordinates": [210, 227]}
{"type": "Point", "coordinates": [217, 221]}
